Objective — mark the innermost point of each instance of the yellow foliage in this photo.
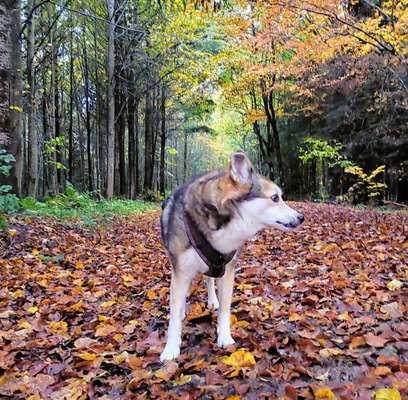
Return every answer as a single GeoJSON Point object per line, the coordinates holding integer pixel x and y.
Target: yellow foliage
{"type": "Point", "coordinates": [387, 394]}
{"type": "Point", "coordinates": [240, 359]}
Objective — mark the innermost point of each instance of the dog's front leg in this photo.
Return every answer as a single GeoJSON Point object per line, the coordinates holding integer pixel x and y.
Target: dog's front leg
{"type": "Point", "coordinates": [225, 286]}
{"type": "Point", "coordinates": [178, 292]}
{"type": "Point", "coordinates": [212, 296]}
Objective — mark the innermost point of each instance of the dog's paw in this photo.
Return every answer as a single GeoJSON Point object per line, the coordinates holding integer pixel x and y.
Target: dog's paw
{"type": "Point", "coordinates": [213, 303]}
{"type": "Point", "coordinates": [225, 340]}
{"type": "Point", "coordinates": [170, 353]}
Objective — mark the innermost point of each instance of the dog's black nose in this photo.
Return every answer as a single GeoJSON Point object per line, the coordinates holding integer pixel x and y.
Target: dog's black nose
{"type": "Point", "coordinates": [301, 218]}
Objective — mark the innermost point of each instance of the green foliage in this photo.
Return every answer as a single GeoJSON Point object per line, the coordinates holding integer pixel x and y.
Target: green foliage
{"type": "Point", "coordinates": [72, 207]}
{"type": "Point", "coordinates": [8, 201]}
{"type": "Point", "coordinates": [55, 145]}
{"type": "Point", "coordinates": [6, 161]}
{"type": "Point", "coordinates": [367, 188]}
{"type": "Point", "coordinates": [319, 149]}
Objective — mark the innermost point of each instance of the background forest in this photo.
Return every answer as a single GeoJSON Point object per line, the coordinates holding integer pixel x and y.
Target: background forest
{"type": "Point", "coordinates": [129, 98]}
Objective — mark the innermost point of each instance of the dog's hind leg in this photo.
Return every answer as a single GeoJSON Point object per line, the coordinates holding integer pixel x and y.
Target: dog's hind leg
{"type": "Point", "coordinates": [225, 286]}
{"type": "Point", "coordinates": [180, 283]}
{"type": "Point", "coordinates": [212, 296]}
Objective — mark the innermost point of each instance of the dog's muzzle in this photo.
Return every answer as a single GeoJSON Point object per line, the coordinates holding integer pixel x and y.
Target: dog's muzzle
{"type": "Point", "coordinates": [298, 220]}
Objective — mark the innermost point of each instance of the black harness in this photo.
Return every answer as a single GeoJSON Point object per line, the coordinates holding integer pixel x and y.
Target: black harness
{"type": "Point", "coordinates": [215, 260]}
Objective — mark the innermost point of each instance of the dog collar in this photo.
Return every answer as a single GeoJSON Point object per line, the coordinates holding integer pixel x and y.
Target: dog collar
{"type": "Point", "coordinates": [215, 260]}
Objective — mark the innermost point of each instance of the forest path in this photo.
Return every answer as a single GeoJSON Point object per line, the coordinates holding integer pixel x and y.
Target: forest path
{"type": "Point", "coordinates": [84, 314]}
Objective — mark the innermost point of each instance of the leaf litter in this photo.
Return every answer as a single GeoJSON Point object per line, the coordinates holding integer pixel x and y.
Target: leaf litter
{"type": "Point", "coordinates": [319, 313]}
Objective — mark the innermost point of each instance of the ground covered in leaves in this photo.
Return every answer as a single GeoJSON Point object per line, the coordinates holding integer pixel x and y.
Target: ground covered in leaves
{"type": "Point", "coordinates": [317, 313]}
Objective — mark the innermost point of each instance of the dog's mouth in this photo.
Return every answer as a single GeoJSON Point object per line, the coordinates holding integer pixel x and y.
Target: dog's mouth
{"type": "Point", "coordinates": [288, 225]}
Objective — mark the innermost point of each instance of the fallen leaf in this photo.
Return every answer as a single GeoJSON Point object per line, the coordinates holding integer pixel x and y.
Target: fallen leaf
{"type": "Point", "coordinates": [387, 394]}
{"type": "Point", "coordinates": [167, 371]}
{"type": "Point", "coordinates": [324, 393]}
{"type": "Point", "coordinates": [182, 380]}
{"type": "Point", "coordinates": [239, 359]}
{"type": "Point", "coordinates": [375, 341]}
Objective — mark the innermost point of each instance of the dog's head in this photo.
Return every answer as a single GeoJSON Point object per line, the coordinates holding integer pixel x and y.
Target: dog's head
{"type": "Point", "coordinates": [257, 198]}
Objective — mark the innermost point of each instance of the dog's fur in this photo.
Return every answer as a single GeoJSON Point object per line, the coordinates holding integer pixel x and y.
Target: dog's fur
{"type": "Point", "coordinates": [229, 207]}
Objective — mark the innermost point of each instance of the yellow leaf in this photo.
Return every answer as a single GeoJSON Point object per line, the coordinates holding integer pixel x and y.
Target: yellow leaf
{"type": "Point", "coordinates": [75, 307]}
{"type": "Point", "coordinates": [18, 293]}
{"type": "Point", "coordinates": [151, 295]}
{"type": "Point", "coordinates": [107, 304]}
{"type": "Point", "coordinates": [234, 397]}
{"type": "Point", "coordinates": [35, 252]}
{"type": "Point", "coordinates": [387, 394]}
{"type": "Point", "coordinates": [381, 371]}
{"type": "Point", "coordinates": [79, 265]}
{"type": "Point", "coordinates": [32, 310]}
{"type": "Point", "coordinates": [120, 358]}
{"type": "Point", "coordinates": [394, 284]}
{"type": "Point", "coordinates": [330, 248]}
{"type": "Point", "coordinates": [128, 278]}
{"type": "Point", "coordinates": [15, 108]}
{"type": "Point", "coordinates": [25, 325]}
{"type": "Point", "coordinates": [294, 317]}
{"type": "Point", "coordinates": [324, 393]}
{"type": "Point", "coordinates": [118, 337]}
{"type": "Point", "coordinates": [242, 323]}
{"type": "Point", "coordinates": [344, 316]}
{"type": "Point", "coordinates": [330, 352]}
{"type": "Point", "coordinates": [104, 330]}
{"type": "Point", "coordinates": [12, 232]}
{"type": "Point", "coordinates": [59, 327]}
{"type": "Point", "coordinates": [182, 380]}
{"type": "Point", "coordinates": [87, 356]}
{"type": "Point", "coordinates": [240, 359]}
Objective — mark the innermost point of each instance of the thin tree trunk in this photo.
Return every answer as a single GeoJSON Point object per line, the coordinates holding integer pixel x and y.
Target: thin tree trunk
{"type": "Point", "coordinates": [88, 121]}
{"type": "Point", "coordinates": [185, 157]}
{"type": "Point", "coordinates": [52, 156]}
{"type": "Point", "coordinates": [15, 104]}
{"type": "Point", "coordinates": [131, 138]}
{"type": "Point", "coordinates": [162, 184]}
{"type": "Point", "coordinates": [32, 131]}
{"type": "Point", "coordinates": [111, 101]}
{"type": "Point", "coordinates": [148, 170]}
{"type": "Point", "coordinates": [71, 108]}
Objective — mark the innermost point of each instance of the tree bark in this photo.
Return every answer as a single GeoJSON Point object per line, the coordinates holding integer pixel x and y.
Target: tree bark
{"type": "Point", "coordinates": [32, 131]}
{"type": "Point", "coordinates": [71, 108]}
{"type": "Point", "coordinates": [162, 183]}
{"type": "Point", "coordinates": [148, 172]}
{"type": "Point", "coordinates": [131, 110]}
{"type": "Point", "coordinates": [53, 183]}
{"type": "Point", "coordinates": [88, 120]}
{"type": "Point", "coordinates": [13, 122]}
{"type": "Point", "coordinates": [111, 101]}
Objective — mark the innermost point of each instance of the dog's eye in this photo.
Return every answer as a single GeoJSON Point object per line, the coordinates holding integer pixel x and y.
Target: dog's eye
{"type": "Point", "coordinates": [275, 198]}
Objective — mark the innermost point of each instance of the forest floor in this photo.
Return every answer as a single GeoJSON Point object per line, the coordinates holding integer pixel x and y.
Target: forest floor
{"type": "Point", "coordinates": [317, 313]}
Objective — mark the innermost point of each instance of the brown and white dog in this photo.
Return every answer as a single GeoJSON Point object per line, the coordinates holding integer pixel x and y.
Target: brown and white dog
{"type": "Point", "coordinates": [204, 225]}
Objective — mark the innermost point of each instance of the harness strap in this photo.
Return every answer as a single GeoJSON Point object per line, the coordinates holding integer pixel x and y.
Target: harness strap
{"type": "Point", "coordinates": [215, 260]}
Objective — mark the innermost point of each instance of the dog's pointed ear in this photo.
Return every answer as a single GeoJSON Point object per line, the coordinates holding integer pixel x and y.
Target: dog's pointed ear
{"type": "Point", "coordinates": [240, 168]}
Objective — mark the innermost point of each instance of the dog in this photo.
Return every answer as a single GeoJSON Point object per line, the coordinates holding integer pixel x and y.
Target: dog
{"type": "Point", "coordinates": [204, 225]}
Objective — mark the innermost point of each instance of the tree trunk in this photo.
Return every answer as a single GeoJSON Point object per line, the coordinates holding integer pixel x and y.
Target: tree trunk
{"type": "Point", "coordinates": [88, 121]}
{"type": "Point", "coordinates": [71, 109]}
{"type": "Point", "coordinates": [32, 131]}
{"type": "Point", "coordinates": [52, 134]}
{"type": "Point", "coordinates": [111, 101]}
{"type": "Point", "coordinates": [148, 170]}
{"type": "Point", "coordinates": [185, 158]}
{"type": "Point", "coordinates": [162, 183]}
{"type": "Point", "coordinates": [10, 92]}
{"type": "Point", "coordinates": [131, 110]}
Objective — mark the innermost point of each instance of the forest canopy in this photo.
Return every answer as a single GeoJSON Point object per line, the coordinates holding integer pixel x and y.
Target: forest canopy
{"type": "Point", "coordinates": [130, 98]}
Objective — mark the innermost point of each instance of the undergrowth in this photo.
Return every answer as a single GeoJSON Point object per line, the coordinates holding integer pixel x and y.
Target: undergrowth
{"type": "Point", "coordinates": [72, 207]}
